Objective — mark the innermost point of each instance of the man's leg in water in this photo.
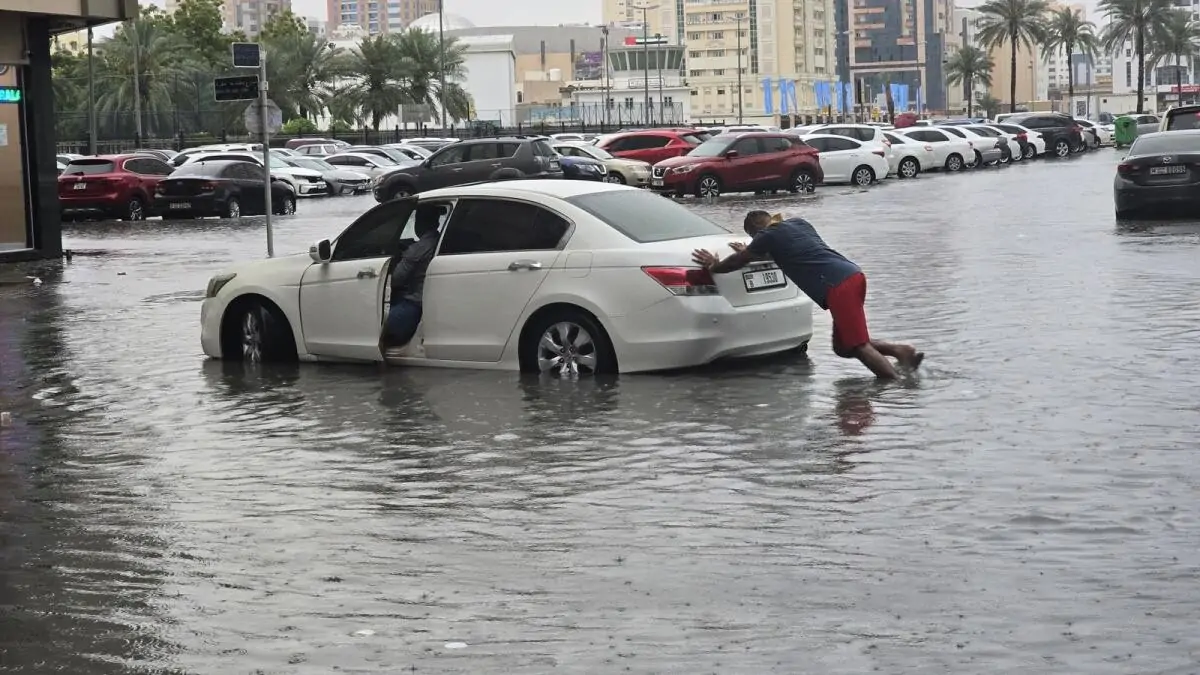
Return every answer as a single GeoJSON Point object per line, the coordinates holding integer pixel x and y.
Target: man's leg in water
{"type": "Point", "coordinates": [851, 339]}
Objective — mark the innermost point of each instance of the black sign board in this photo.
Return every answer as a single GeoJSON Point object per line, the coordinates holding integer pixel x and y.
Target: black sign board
{"type": "Point", "coordinates": [236, 88]}
{"type": "Point", "coordinates": [245, 54]}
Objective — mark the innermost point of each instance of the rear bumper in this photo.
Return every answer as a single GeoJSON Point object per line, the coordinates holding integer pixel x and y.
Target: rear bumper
{"type": "Point", "coordinates": [194, 205]}
{"type": "Point", "coordinates": [990, 154]}
{"type": "Point", "coordinates": [101, 203]}
{"type": "Point", "coordinates": [681, 332]}
{"type": "Point", "coordinates": [1132, 197]}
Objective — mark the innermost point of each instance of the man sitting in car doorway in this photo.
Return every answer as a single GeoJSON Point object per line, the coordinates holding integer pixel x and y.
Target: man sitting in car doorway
{"type": "Point", "coordinates": [408, 282]}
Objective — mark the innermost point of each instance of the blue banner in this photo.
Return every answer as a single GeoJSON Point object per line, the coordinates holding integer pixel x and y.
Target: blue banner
{"type": "Point", "coordinates": [819, 92]}
{"type": "Point", "coordinates": [768, 97]}
{"type": "Point", "coordinates": [900, 96]}
{"type": "Point", "coordinates": [791, 87]}
{"type": "Point", "coordinates": [843, 96]}
{"type": "Point", "coordinates": [920, 101]}
{"type": "Point", "coordinates": [783, 97]}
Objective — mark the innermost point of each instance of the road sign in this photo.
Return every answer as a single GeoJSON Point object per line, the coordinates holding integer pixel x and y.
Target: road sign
{"type": "Point", "coordinates": [246, 54]}
{"type": "Point", "coordinates": [236, 88]}
{"type": "Point", "coordinates": [274, 118]}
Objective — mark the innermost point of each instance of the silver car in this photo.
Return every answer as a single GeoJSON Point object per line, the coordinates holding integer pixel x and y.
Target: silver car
{"type": "Point", "coordinates": [987, 149]}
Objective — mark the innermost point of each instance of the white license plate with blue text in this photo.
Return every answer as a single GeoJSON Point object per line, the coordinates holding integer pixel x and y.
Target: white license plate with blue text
{"type": "Point", "coordinates": [656, 181]}
{"type": "Point", "coordinates": [1167, 170]}
{"type": "Point", "coordinates": [763, 279]}
{"type": "Point", "coordinates": [181, 205]}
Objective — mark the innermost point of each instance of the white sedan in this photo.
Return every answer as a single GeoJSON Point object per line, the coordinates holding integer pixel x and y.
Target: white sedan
{"type": "Point", "coordinates": [563, 277]}
{"type": "Point", "coordinates": [909, 157]}
{"type": "Point", "coordinates": [847, 160]}
{"type": "Point", "coordinates": [950, 152]}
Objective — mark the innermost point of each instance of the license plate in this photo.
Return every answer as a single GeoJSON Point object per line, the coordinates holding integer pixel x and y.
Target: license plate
{"type": "Point", "coordinates": [1161, 170]}
{"type": "Point", "coordinates": [763, 279]}
{"type": "Point", "coordinates": [656, 181]}
{"type": "Point", "coordinates": [81, 186]}
{"type": "Point", "coordinates": [181, 205]}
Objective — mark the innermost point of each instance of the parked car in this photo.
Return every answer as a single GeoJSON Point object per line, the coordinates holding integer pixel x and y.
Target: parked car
{"type": "Point", "coordinates": [1147, 123]}
{"type": "Point", "coordinates": [158, 153]}
{"type": "Point", "coordinates": [1181, 117]}
{"type": "Point", "coordinates": [431, 143]}
{"type": "Point", "coordinates": [182, 157]}
{"type": "Point", "coordinates": [477, 159]}
{"type": "Point", "coordinates": [295, 143]}
{"type": "Point", "coordinates": [652, 146]}
{"type": "Point", "coordinates": [304, 182]}
{"type": "Point", "coordinates": [1102, 134]}
{"type": "Point", "coordinates": [340, 180]}
{"type": "Point", "coordinates": [909, 156]}
{"type": "Point", "coordinates": [374, 166]}
{"type": "Point", "coordinates": [1011, 148]}
{"type": "Point", "coordinates": [413, 152]}
{"type": "Point", "coordinates": [115, 186]}
{"type": "Point", "coordinates": [984, 150]}
{"type": "Point", "coordinates": [224, 188]}
{"type": "Point", "coordinates": [950, 151]}
{"type": "Point", "coordinates": [545, 276]}
{"type": "Point", "coordinates": [583, 168]}
{"type": "Point", "coordinates": [620, 170]}
{"type": "Point", "coordinates": [1161, 172]}
{"type": "Point", "coordinates": [746, 162]}
{"type": "Point", "coordinates": [848, 160]}
{"type": "Point", "coordinates": [1061, 132]}
{"type": "Point", "coordinates": [1034, 143]}
{"type": "Point", "coordinates": [399, 157]}
{"type": "Point", "coordinates": [320, 149]}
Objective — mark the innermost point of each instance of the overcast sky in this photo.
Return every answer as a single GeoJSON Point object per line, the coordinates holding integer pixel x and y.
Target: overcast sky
{"type": "Point", "coordinates": [498, 12]}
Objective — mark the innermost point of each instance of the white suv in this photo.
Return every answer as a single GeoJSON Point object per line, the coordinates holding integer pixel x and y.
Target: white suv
{"type": "Point", "coordinates": [865, 133]}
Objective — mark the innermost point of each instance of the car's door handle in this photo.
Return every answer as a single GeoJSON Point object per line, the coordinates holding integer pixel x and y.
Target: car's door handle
{"type": "Point", "coordinates": [524, 265]}
{"type": "Point", "coordinates": [498, 164]}
{"type": "Point", "coordinates": [367, 273]}
{"type": "Point", "coordinates": [457, 168]}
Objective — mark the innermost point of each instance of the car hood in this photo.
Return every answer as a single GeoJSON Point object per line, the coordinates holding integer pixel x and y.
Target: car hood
{"type": "Point", "coordinates": [622, 162]}
{"type": "Point", "coordinates": [297, 171]}
{"type": "Point", "coordinates": [346, 174]}
{"type": "Point", "coordinates": [684, 161]}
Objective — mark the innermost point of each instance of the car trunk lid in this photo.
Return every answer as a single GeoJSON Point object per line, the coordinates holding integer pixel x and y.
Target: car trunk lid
{"type": "Point", "coordinates": [1150, 170]}
{"type": "Point", "coordinates": [186, 187]}
{"type": "Point", "coordinates": [758, 283]}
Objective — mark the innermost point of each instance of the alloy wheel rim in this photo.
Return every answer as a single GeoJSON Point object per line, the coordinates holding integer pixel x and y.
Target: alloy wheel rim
{"type": "Point", "coordinates": [566, 349]}
{"type": "Point", "coordinates": [1029, 152]}
{"type": "Point", "coordinates": [955, 163]}
{"type": "Point", "coordinates": [1062, 149]}
{"type": "Point", "coordinates": [289, 207]}
{"type": "Point", "coordinates": [252, 346]}
{"type": "Point", "coordinates": [803, 182]}
{"type": "Point", "coordinates": [135, 210]}
{"type": "Point", "coordinates": [235, 210]}
{"type": "Point", "coordinates": [708, 187]}
{"type": "Point", "coordinates": [862, 177]}
{"type": "Point", "coordinates": [908, 169]}
{"type": "Point", "coordinates": [610, 178]}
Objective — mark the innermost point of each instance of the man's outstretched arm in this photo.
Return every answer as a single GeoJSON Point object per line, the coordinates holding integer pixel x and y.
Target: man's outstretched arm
{"type": "Point", "coordinates": [713, 263]}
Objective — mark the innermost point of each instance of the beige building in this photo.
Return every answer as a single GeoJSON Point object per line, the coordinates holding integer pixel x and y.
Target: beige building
{"type": "Point", "coordinates": [1027, 73]}
{"type": "Point", "coordinates": [658, 16]}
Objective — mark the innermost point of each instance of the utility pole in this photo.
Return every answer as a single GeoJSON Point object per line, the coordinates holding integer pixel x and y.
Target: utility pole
{"type": "Point", "coordinates": [442, 60]}
{"type": "Point", "coordinates": [137, 84]}
{"type": "Point", "coordinates": [91, 97]}
{"type": "Point", "coordinates": [645, 10]}
{"type": "Point", "coordinates": [264, 137]}
{"type": "Point", "coordinates": [662, 117]}
{"type": "Point", "coordinates": [607, 79]}
{"type": "Point", "coordinates": [740, 18]}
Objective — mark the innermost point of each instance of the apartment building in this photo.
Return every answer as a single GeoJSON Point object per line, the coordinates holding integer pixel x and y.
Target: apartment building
{"type": "Point", "coordinates": [377, 16]}
{"type": "Point", "coordinates": [963, 32]}
{"type": "Point", "coordinates": [655, 17]}
{"type": "Point", "coordinates": [905, 42]}
{"type": "Point", "coordinates": [249, 16]}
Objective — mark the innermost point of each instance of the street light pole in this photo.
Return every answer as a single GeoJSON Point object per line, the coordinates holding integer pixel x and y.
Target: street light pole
{"type": "Point", "coordinates": [137, 84]}
{"type": "Point", "coordinates": [740, 18]}
{"type": "Point", "coordinates": [662, 117]}
{"type": "Point", "coordinates": [91, 97]}
{"type": "Point", "coordinates": [607, 79]}
{"type": "Point", "coordinates": [442, 59]}
{"type": "Point", "coordinates": [645, 10]}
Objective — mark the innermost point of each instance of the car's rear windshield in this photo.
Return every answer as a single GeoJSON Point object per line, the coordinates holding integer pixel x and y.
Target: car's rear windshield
{"type": "Point", "coordinates": [200, 168]}
{"type": "Point", "coordinates": [1184, 118]}
{"type": "Point", "coordinates": [645, 217]}
{"type": "Point", "coordinates": [1166, 143]}
{"type": "Point", "coordinates": [89, 167]}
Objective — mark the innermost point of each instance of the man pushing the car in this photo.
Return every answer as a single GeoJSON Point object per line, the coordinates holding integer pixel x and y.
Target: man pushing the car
{"type": "Point", "coordinates": [829, 278]}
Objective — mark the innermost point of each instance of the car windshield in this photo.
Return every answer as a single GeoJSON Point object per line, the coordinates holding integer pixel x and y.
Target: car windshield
{"type": "Point", "coordinates": [1186, 118]}
{"type": "Point", "coordinates": [696, 139]}
{"type": "Point", "coordinates": [313, 163]}
{"type": "Point", "coordinates": [384, 161]}
{"type": "Point", "coordinates": [277, 163]}
{"type": "Point", "coordinates": [645, 217]}
{"type": "Point", "coordinates": [714, 146]}
{"type": "Point", "coordinates": [1165, 143]}
{"type": "Point", "coordinates": [89, 166]}
{"type": "Point", "coordinates": [593, 151]}
{"type": "Point", "coordinates": [894, 139]}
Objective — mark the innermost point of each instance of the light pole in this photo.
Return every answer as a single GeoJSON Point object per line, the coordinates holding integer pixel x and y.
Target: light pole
{"type": "Point", "coordinates": [91, 97]}
{"type": "Point", "coordinates": [137, 84]}
{"type": "Point", "coordinates": [662, 118]}
{"type": "Point", "coordinates": [645, 10]}
{"type": "Point", "coordinates": [607, 80]}
{"type": "Point", "coordinates": [442, 59]}
{"type": "Point", "coordinates": [740, 18]}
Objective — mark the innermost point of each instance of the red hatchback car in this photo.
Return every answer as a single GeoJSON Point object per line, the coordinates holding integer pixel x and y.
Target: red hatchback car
{"type": "Point", "coordinates": [652, 145]}
{"type": "Point", "coordinates": [113, 186]}
{"type": "Point", "coordinates": [741, 162]}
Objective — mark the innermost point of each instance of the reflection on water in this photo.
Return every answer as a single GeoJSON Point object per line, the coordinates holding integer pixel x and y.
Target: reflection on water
{"type": "Point", "coordinates": [1024, 505]}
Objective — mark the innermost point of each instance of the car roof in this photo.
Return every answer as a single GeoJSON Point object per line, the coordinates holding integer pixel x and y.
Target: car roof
{"type": "Point", "coordinates": [820, 135]}
{"type": "Point", "coordinates": [1178, 133]}
{"type": "Point", "coordinates": [560, 189]}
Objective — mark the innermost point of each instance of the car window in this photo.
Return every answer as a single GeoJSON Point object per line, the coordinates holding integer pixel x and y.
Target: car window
{"type": "Point", "coordinates": [953, 132]}
{"type": "Point", "coordinates": [509, 149]}
{"type": "Point", "coordinates": [820, 144]}
{"type": "Point", "coordinates": [154, 167]}
{"type": "Point", "coordinates": [542, 149]}
{"type": "Point", "coordinates": [984, 131]}
{"type": "Point", "coordinates": [1187, 118]}
{"type": "Point", "coordinates": [1161, 144]}
{"type": "Point", "coordinates": [863, 134]}
{"type": "Point", "coordinates": [775, 144]}
{"type": "Point", "coordinates": [650, 141]}
{"type": "Point", "coordinates": [842, 144]}
{"type": "Point", "coordinates": [89, 167]}
{"type": "Point", "coordinates": [746, 146]}
{"type": "Point", "coordinates": [894, 139]}
{"type": "Point", "coordinates": [482, 151]}
{"type": "Point", "coordinates": [376, 233]}
{"type": "Point", "coordinates": [645, 217]}
{"type": "Point", "coordinates": [493, 225]}
{"type": "Point", "coordinates": [410, 228]}
{"type": "Point", "coordinates": [451, 155]}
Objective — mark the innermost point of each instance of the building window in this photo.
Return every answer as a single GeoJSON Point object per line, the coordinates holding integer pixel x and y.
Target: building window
{"type": "Point", "coordinates": [716, 52]}
{"type": "Point", "coordinates": [695, 55]}
{"type": "Point", "coordinates": [716, 35]}
{"type": "Point", "coordinates": [628, 104]}
{"type": "Point", "coordinates": [1128, 74]}
{"type": "Point", "coordinates": [695, 36]}
{"type": "Point", "coordinates": [693, 73]}
{"type": "Point", "coordinates": [720, 92]}
{"type": "Point", "coordinates": [718, 71]}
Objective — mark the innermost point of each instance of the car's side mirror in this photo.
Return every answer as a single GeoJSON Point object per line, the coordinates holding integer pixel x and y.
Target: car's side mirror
{"type": "Point", "coordinates": [731, 154]}
{"type": "Point", "coordinates": [321, 252]}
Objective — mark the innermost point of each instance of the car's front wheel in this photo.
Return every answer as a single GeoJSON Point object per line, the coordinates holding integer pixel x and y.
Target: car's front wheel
{"type": "Point", "coordinates": [286, 206]}
{"type": "Point", "coordinates": [614, 177]}
{"type": "Point", "coordinates": [135, 209]}
{"type": "Point", "coordinates": [1062, 148]}
{"type": "Point", "coordinates": [233, 208]}
{"type": "Point", "coordinates": [256, 332]}
{"type": "Point", "coordinates": [1030, 151]}
{"type": "Point", "coordinates": [863, 176]}
{"type": "Point", "coordinates": [708, 186]}
{"type": "Point", "coordinates": [567, 343]}
{"type": "Point", "coordinates": [954, 163]}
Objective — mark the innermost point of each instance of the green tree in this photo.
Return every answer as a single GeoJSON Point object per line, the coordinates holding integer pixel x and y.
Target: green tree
{"type": "Point", "coordinates": [69, 80]}
{"type": "Point", "coordinates": [378, 80]}
{"type": "Point", "coordinates": [282, 25]}
{"type": "Point", "coordinates": [1017, 23]}
{"type": "Point", "coordinates": [198, 25]}
{"type": "Point", "coordinates": [303, 69]}
{"type": "Point", "coordinates": [967, 66]}
{"type": "Point", "coordinates": [143, 62]}
{"type": "Point", "coordinates": [1178, 37]}
{"type": "Point", "coordinates": [990, 105]}
{"type": "Point", "coordinates": [1134, 21]}
{"type": "Point", "coordinates": [420, 50]}
{"type": "Point", "coordinates": [1068, 32]}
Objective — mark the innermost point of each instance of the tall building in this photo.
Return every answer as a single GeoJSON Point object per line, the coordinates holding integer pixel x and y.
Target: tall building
{"type": "Point", "coordinates": [904, 42]}
{"type": "Point", "coordinates": [1027, 74]}
{"type": "Point", "coordinates": [660, 17]}
{"type": "Point", "coordinates": [249, 16]}
{"type": "Point", "coordinates": [377, 16]}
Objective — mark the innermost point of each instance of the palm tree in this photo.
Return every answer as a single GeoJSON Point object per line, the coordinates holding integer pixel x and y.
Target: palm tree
{"type": "Point", "coordinates": [990, 105]}
{"type": "Point", "coordinates": [420, 49]}
{"type": "Point", "coordinates": [967, 66]}
{"type": "Point", "coordinates": [156, 57]}
{"type": "Point", "coordinates": [1134, 21]}
{"type": "Point", "coordinates": [306, 67]}
{"type": "Point", "coordinates": [1178, 37]}
{"type": "Point", "coordinates": [1017, 22]}
{"type": "Point", "coordinates": [380, 79]}
{"type": "Point", "coordinates": [1070, 33]}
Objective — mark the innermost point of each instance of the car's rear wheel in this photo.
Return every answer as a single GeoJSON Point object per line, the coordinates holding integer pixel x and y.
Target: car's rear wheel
{"type": "Point", "coordinates": [863, 176]}
{"type": "Point", "coordinates": [708, 186]}
{"type": "Point", "coordinates": [286, 206]}
{"type": "Point", "coordinates": [977, 161]}
{"type": "Point", "coordinates": [257, 332]}
{"type": "Point", "coordinates": [802, 181]}
{"type": "Point", "coordinates": [1030, 151]}
{"type": "Point", "coordinates": [908, 168]}
{"type": "Point", "coordinates": [1005, 155]}
{"type": "Point", "coordinates": [614, 177]}
{"type": "Point", "coordinates": [1062, 148]}
{"type": "Point", "coordinates": [954, 163]}
{"type": "Point", "coordinates": [566, 343]}
{"type": "Point", "coordinates": [233, 208]}
{"type": "Point", "coordinates": [135, 209]}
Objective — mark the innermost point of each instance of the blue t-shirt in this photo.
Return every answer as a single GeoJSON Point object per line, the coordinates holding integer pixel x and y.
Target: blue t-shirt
{"type": "Point", "coordinates": [804, 257]}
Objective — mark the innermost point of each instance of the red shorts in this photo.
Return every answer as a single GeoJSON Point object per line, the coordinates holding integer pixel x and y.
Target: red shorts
{"type": "Point", "coordinates": [846, 304]}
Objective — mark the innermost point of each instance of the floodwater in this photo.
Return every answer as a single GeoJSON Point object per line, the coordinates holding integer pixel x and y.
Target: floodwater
{"type": "Point", "coordinates": [1026, 505]}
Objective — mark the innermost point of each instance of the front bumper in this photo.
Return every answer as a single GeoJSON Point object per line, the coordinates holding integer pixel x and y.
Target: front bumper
{"type": "Point", "coordinates": [210, 327]}
{"type": "Point", "coordinates": [681, 332]}
{"type": "Point", "coordinates": [311, 189]}
{"type": "Point", "coordinates": [337, 187]}
{"type": "Point", "coordinates": [680, 183]}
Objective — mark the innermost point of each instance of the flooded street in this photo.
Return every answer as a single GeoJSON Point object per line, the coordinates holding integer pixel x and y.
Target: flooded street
{"type": "Point", "coordinates": [1027, 505]}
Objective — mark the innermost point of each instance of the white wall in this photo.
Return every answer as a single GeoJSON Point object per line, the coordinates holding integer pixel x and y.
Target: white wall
{"type": "Point", "coordinates": [491, 81]}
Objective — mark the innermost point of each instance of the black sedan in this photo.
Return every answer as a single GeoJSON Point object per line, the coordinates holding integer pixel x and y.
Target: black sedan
{"type": "Point", "coordinates": [223, 188]}
{"type": "Point", "coordinates": [1161, 174]}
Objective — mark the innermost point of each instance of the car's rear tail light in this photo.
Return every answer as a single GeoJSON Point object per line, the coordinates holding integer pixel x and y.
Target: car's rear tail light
{"type": "Point", "coordinates": [1126, 168]}
{"type": "Point", "coordinates": [683, 280]}
{"type": "Point", "coordinates": [881, 153]}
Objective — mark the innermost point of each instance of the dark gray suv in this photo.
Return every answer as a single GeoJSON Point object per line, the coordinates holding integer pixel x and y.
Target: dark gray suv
{"type": "Point", "coordinates": [471, 161]}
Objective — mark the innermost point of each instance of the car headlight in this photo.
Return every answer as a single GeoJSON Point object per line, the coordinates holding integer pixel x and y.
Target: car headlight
{"type": "Point", "coordinates": [216, 283]}
{"type": "Point", "coordinates": [684, 169]}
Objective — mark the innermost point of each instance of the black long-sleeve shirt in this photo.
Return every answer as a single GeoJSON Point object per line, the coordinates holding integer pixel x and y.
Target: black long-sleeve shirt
{"type": "Point", "coordinates": [408, 278]}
